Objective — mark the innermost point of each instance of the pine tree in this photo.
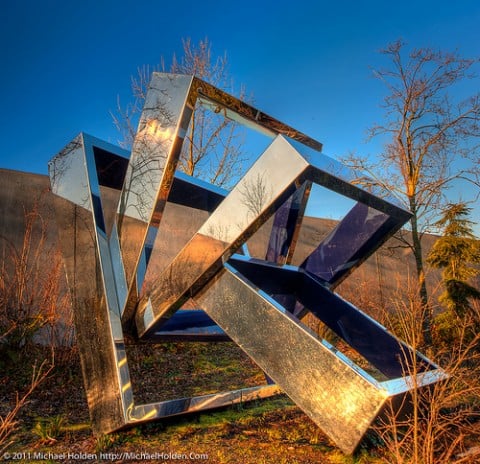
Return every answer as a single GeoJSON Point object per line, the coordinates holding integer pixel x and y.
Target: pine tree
{"type": "Point", "coordinates": [457, 252]}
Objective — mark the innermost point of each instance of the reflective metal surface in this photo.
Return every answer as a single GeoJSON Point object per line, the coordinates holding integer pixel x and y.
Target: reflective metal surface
{"type": "Point", "coordinates": [286, 226]}
{"type": "Point", "coordinates": [306, 369]}
{"type": "Point", "coordinates": [130, 275]}
{"type": "Point", "coordinates": [269, 182]}
{"type": "Point", "coordinates": [87, 262]}
{"type": "Point", "coordinates": [168, 108]}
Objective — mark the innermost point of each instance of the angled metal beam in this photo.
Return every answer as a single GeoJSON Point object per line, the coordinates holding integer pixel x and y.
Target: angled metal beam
{"type": "Point", "coordinates": [283, 166]}
{"type": "Point", "coordinates": [333, 391]}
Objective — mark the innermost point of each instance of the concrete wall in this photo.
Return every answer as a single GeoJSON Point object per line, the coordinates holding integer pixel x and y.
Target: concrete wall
{"type": "Point", "coordinates": [25, 198]}
{"type": "Point", "coordinates": [23, 193]}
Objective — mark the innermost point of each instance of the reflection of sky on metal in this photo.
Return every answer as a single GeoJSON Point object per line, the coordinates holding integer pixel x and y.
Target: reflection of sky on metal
{"type": "Point", "coordinates": [69, 176]}
{"type": "Point", "coordinates": [324, 203]}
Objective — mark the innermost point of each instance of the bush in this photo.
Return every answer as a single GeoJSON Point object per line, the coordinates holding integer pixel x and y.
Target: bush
{"type": "Point", "coordinates": [30, 288]}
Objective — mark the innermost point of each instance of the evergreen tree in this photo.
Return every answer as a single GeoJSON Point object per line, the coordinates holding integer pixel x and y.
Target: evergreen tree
{"type": "Point", "coordinates": [457, 252]}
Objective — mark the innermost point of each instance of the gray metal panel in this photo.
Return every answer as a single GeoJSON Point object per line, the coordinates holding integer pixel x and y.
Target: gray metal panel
{"type": "Point", "coordinates": [341, 400]}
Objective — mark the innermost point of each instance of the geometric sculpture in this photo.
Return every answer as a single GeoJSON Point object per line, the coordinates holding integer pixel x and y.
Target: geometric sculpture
{"type": "Point", "coordinates": [110, 208]}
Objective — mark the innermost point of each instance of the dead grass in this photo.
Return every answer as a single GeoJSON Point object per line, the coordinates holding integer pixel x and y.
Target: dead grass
{"type": "Point", "coordinates": [443, 423]}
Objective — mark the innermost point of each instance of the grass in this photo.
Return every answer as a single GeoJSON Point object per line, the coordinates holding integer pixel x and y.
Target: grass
{"type": "Point", "coordinates": [263, 431]}
{"type": "Point", "coordinates": [56, 420]}
{"type": "Point", "coordinates": [49, 429]}
{"type": "Point", "coordinates": [251, 433]}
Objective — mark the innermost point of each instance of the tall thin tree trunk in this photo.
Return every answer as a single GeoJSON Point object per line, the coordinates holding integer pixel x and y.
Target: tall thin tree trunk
{"type": "Point", "coordinates": [423, 293]}
{"type": "Point", "coordinates": [191, 154]}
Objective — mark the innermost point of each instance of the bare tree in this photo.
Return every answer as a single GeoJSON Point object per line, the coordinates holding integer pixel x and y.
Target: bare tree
{"type": "Point", "coordinates": [213, 146]}
{"type": "Point", "coordinates": [430, 139]}
{"type": "Point", "coordinates": [255, 194]}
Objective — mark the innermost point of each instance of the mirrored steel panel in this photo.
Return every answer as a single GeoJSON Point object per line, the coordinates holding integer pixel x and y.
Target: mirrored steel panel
{"type": "Point", "coordinates": [86, 255]}
{"type": "Point", "coordinates": [286, 226]}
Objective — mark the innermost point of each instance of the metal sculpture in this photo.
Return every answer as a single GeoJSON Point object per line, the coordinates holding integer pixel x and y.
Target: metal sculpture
{"type": "Point", "coordinates": [110, 209]}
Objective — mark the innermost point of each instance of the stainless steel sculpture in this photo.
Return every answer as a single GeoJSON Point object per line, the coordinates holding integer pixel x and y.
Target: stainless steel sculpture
{"type": "Point", "coordinates": [110, 210]}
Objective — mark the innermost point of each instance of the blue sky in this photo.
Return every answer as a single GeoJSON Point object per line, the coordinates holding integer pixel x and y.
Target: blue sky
{"type": "Point", "coordinates": [307, 63]}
